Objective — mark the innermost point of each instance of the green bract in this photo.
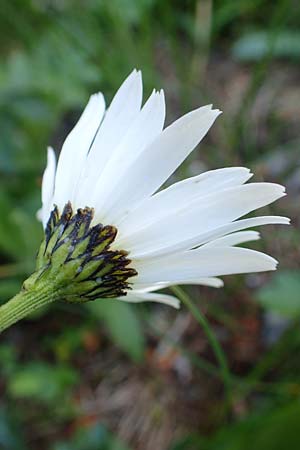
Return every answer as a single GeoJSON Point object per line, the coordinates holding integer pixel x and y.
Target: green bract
{"type": "Point", "coordinates": [76, 258]}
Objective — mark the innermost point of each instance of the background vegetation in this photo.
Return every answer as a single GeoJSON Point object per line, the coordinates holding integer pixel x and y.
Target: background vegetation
{"type": "Point", "coordinates": [110, 376]}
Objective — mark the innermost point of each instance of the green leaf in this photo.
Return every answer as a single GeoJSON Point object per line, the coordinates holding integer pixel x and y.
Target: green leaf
{"type": "Point", "coordinates": [10, 435]}
{"type": "Point", "coordinates": [281, 295]}
{"type": "Point", "coordinates": [8, 358]}
{"type": "Point", "coordinates": [41, 382]}
{"type": "Point", "coordinates": [8, 288]}
{"type": "Point", "coordinates": [258, 45]}
{"type": "Point", "coordinates": [271, 430]}
{"type": "Point", "coordinates": [11, 241]}
{"type": "Point", "coordinates": [274, 430]}
{"type": "Point", "coordinates": [123, 325]}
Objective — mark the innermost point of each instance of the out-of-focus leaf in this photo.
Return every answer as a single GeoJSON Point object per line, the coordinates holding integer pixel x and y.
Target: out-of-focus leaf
{"type": "Point", "coordinates": [8, 356]}
{"type": "Point", "coordinates": [11, 241]}
{"type": "Point", "coordinates": [8, 288]}
{"type": "Point", "coordinates": [67, 343]}
{"type": "Point", "coordinates": [123, 325]}
{"type": "Point", "coordinates": [275, 430]}
{"type": "Point", "coordinates": [278, 430]}
{"type": "Point", "coordinates": [10, 436]}
{"type": "Point", "coordinates": [42, 382]}
{"type": "Point", "coordinates": [258, 45]}
{"type": "Point", "coordinates": [29, 227]}
{"type": "Point", "coordinates": [281, 294]}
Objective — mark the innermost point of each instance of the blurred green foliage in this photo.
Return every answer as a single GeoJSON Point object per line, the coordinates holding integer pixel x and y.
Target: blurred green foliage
{"type": "Point", "coordinates": [94, 438]}
{"type": "Point", "coordinates": [10, 436]}
{"type": "Point", "coordinates": [281, 295]}
{"type": "Point", "coordinates": [41, 382]}
{"type": "Point", "coordinates": [272, 430]}
{"type": "Point", "coordinates": [123, 325]}
{"type": "Point", "coordinates": [54, 54]}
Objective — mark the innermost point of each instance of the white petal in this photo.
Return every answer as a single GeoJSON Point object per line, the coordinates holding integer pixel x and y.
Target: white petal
{"type": "Point", "coordinates": [208, 281]}
{"type": "Point", "coordinates": [74, 151]}
{"type": "Point", "coordinates": [122, 111]}
{"type": "Point", "coordinates": [168, 200]}
{"type": "Point", "coordinates": [144, 129]}
{"type": "Point", "coordinates": [234, 239]}
{"type": "Point", "coordinates": [221, 231]}
{"type": "Point", "coordinates": [203, 262]}
{"type": "Point", "coordinates": [145, 297]}
{"type": "Point", "coordinates": [200, 216]}
{"type": "Point", "coordinates": [39, 216]}
{"type": "Point", "coordinates": [48, 186]}
{"type": "Point", "coordinates": [157, 162]}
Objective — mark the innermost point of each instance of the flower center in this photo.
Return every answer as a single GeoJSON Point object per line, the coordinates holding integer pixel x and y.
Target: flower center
{"type": "Point", "coordinates": [79, 257]}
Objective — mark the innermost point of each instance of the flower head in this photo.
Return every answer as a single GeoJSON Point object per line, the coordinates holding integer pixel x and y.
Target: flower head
{"type": "Point", "coordinates": [110, 232]}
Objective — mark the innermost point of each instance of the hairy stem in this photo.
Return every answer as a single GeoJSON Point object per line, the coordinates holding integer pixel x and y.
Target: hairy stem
{"type": "Point", "coordinates": [23, 304]}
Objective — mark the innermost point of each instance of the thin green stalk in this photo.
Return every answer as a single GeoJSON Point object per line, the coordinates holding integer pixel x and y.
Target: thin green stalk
{"type": "Point", "coordinates": [24, 303]}
{"type": "Point", "coordinates": [242, 384]}
{"type": "Point", "coordinates": [217, 349]}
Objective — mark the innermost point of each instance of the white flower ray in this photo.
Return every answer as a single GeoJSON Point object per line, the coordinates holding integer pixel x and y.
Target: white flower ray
{"type": "Point", "coordinates": [198, 217]}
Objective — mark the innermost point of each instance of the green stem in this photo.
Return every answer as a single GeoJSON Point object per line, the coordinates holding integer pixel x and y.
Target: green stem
{"type": "Point", "coordinates": [219, 354]}
{"type": "Point", "coordinates": [24, 303]}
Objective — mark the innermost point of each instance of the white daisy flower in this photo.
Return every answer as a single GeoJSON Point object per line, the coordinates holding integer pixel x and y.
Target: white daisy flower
{"type": "Point", "coordinates": [116, 233]}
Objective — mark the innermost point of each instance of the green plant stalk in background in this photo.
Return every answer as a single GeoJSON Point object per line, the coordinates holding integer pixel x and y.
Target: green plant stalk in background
{"type": "Point", "coordinates": [217, 349]}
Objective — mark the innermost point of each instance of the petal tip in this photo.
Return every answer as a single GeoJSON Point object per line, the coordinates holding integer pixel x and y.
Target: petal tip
{"type": "Point", "coordinates": [217, 111]}
{"type": "Point", "coordinates": [162, 94]}
{"type": "Point", "coordinates": [273, 264]}
{"type": "Point", "coordinates": [281, 188]}
{"type": "Point", "coordinates": [176, 305]}
{"type": "Point", "coordinates": [139, 74]}
{"type": "Point", "coordinates": [220, 284]}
